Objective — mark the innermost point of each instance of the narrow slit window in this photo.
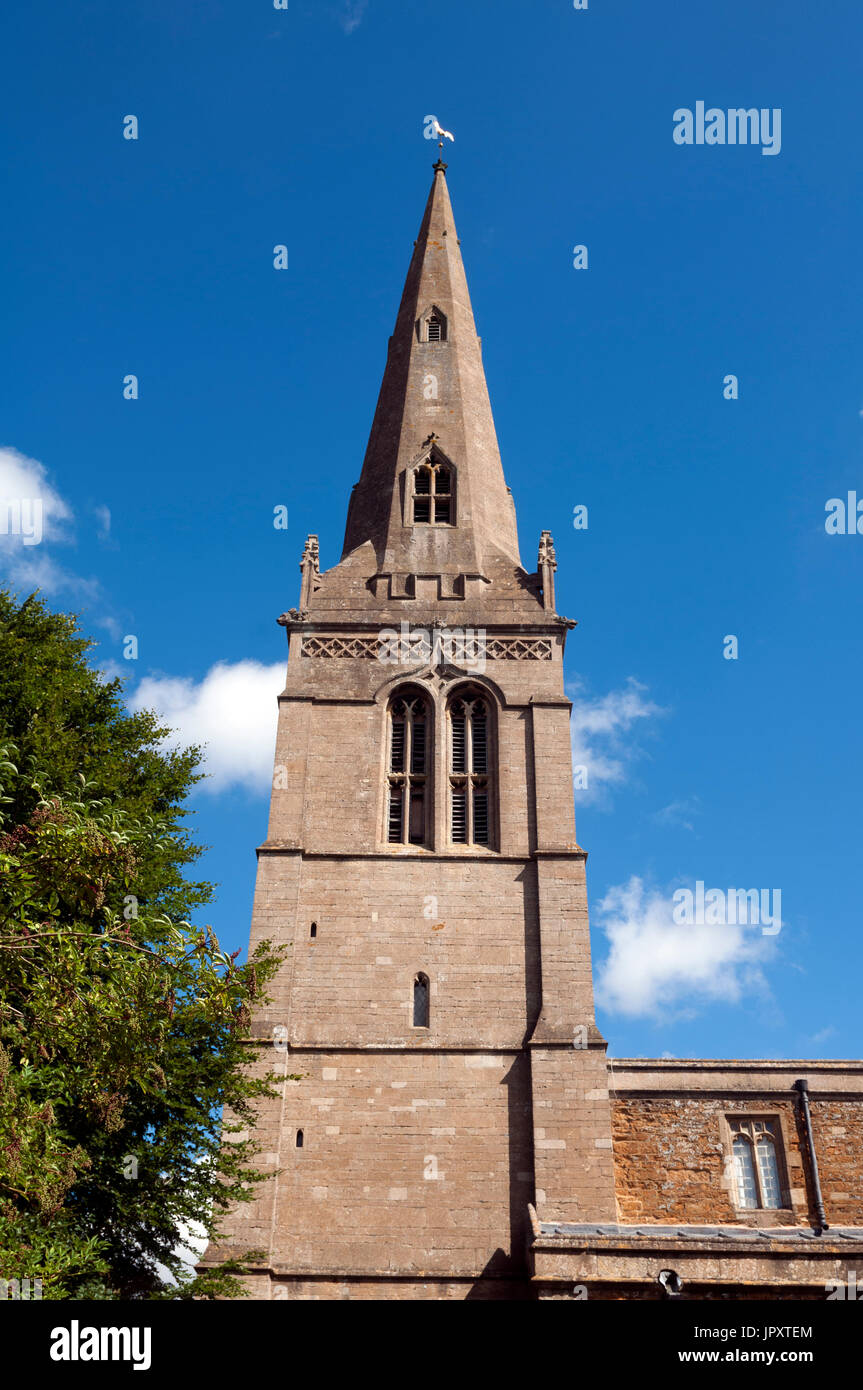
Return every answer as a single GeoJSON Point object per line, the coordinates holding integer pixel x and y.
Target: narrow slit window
{"type": "Point", "coordinates": [313, 930]}
{"type": "Point", "coordinates": [421, 1001]}
{"type": "Point", "coordinates": [299, 1138]}
{"type": "Point", "coordinates": [408, 770]}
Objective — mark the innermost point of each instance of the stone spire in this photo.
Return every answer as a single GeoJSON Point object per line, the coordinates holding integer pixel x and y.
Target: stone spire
{"type": "Point", "coordinates": [434, 398]}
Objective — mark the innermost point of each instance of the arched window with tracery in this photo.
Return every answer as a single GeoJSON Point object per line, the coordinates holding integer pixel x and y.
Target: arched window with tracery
{"type": "Point", "coordinates": [471, 768]}
{"type": "Point", "coordinates": [408, 763]}
{"type": "Point", "coordinates": [756, 1163]}
{"type": "Point", "coordinates": [432, 496]}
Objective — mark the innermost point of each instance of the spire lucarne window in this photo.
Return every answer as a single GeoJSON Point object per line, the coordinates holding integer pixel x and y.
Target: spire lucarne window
{"type": "Point", "coordinates": [433, 327]}
{"type": "Point", "coordinates": [432, 494]}
{"type": "Point", "coordinates": [408, 757]}
{"type": "Point", "coordinates": [470, 769]}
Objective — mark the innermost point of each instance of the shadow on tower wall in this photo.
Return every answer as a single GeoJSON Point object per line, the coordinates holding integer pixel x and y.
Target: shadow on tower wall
{"type": "Point", "coordinates": [505, 1276]}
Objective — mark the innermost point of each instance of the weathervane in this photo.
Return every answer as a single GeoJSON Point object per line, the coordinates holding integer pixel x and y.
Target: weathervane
{"type": "Point", "coordinates": [441, 134]}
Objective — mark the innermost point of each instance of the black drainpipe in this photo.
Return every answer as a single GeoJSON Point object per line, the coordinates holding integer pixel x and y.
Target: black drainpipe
{"type": "Point", "coordinates": [803, 1087]}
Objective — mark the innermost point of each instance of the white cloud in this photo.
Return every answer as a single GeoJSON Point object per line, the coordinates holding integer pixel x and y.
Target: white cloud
{"type": "Point", "coordinates": [103, 516]}
{"type": "Point", "coordinates": [233, 711]}
{"type": "Point", "coordinates": [662, 969]}
{"type": "Point", "coordinates": [32, 512]}
{"type": "Point", "coordinates": [680, 813]}
{"type": "Point", "coordinates": [824, 1035]}
{"type": "Point", "coordinates": [35, 569]}
{"type": "Point", "coordinates": [352, 14]}
{"type": "Point", "coordinates": [25, 571]}
{"type": "Point", "coordinates": [599, 728]}
{"type": "Point", "coordinates": [110, 670]}
{"type": "Point", "coordinates": [34, 516]}
{"type": "Point", "coordinates": [24, 483]}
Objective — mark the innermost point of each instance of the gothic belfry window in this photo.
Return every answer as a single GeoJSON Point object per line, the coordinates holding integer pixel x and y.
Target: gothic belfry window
{"type": "Point", "coordinates": [470, 768]}
{"type": "Point", "coordinates": [432, 494]}
{"type": "Point", "coordinates": [408, 761]}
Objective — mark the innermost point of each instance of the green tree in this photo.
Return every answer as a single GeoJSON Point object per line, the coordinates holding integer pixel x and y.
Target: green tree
{"type": "Point", "coordinates": [123, 1028]}
{"type": "Point", "coordinates": [67, 723]}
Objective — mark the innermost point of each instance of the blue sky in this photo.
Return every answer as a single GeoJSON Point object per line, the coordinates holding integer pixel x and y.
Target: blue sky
{"type": "Point", "coordinates": [304, 127]}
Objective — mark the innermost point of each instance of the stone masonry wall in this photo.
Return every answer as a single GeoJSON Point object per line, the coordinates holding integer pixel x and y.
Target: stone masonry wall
{"type": "Point", "coordinates": [670, 1158]}
{"type": "Point", "coordinates": [411, 1164]}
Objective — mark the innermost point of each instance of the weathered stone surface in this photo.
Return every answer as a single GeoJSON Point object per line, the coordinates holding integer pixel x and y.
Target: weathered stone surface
{"type": "Point", "coordinates": [425, 1149]}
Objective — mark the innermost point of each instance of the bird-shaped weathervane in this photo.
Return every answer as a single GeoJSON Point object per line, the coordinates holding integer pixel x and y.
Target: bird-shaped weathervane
{"type": "Point", "coordinates": [441, 134]}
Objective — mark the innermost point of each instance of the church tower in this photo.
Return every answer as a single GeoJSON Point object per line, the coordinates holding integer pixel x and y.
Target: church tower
{"type": "Point", "coordinates": [436, 999]}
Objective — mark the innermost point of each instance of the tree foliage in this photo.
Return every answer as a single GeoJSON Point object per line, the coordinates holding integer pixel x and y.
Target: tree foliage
{"type": "Point", "coordinates": [123, 1027]}
{"type": "Point", "coordinates": [67, 723]}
